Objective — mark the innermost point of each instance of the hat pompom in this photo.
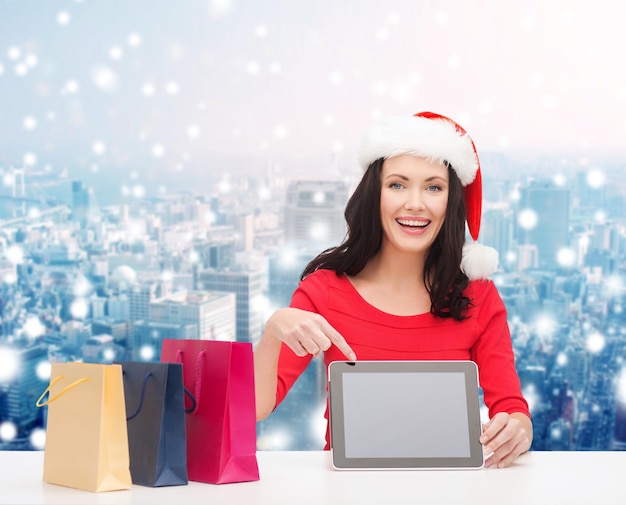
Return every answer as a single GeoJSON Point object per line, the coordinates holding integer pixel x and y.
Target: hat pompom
{"type": "Point", "coordinates": [479, 261]}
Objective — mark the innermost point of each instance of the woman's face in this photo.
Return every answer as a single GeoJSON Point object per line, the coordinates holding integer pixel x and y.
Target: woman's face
{"type": "Point", "coordinates": [413, 202]}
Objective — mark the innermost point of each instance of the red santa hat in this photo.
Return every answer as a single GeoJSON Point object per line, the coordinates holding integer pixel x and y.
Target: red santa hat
{"type": "Point", "coordinates": [437, 138]}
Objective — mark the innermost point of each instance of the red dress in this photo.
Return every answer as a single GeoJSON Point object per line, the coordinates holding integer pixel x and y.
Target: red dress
{"type": "Point", "coordinates": [375, 335]}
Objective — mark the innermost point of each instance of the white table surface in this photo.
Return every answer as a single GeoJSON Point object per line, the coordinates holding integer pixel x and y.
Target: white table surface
{"type": "Point", "coordinates": [301, 478]}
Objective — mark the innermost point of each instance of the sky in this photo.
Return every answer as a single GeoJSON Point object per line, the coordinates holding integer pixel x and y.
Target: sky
{"type": "Point", "coordinates": [162, 88]}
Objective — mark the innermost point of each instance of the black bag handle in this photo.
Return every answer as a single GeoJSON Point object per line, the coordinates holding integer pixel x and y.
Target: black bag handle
{"type": "Point", "coordinates": [141, 399]}
{"type": "Point", "coordinates": [194, 403]}
{"type": "Point", "coordinates": [143, 395]}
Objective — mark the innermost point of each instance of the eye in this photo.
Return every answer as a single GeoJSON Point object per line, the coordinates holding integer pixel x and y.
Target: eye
{"type": "Point", "coordinates": [433, 188]}
{"type": "Point", "coordinates": [396, 185]}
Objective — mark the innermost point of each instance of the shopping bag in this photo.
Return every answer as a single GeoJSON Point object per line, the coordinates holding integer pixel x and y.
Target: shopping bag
{"type": "Point", "coordinates": [221, 425]}
{"type": "Point", "coordinates": [155, 416]}
{"type": "Point", "coordinates": [86, 436]}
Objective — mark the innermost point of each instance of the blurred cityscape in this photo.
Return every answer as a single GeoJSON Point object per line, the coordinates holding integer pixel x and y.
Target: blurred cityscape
{"type": "Point", "coordinates": [84, 281]}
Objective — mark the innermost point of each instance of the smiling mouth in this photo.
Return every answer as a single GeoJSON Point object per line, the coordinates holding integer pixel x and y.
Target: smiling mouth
{"type": "Point", "coordinates": [411, 223]}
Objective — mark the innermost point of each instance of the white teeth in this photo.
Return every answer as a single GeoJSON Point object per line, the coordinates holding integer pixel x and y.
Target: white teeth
{"type": "Point", "coordinates": [408, 222]}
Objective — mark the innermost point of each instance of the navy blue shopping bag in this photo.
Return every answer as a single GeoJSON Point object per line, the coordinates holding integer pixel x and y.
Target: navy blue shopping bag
{"type": "Point", "coordinates": [155, 417]}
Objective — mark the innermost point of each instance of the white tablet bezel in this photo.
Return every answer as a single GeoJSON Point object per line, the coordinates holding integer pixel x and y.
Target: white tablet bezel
{"type": "Point", "coordinates": [336, 373]}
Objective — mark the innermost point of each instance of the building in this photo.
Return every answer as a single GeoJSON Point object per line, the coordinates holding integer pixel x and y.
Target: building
{"type": "Point", "coordinates": [103, 349]}
{"type": "Point", "coordinates": [248, 289]}
{"type": "Point", "coordinates": [8, 270]}
{"type": "Point", "coordinates": [284, 269]}
{"type": "Point", "coordinates": [218, 254]}
{"type": "Point", "coordinates": [619, 440]}
{"type": "Point", "coordinates": [526, 257]}
{"type": "Point", "coordinates": [118, 307]}
{"type": "Point", "coordinates": [80, 203]}
{"type": "Point", "coordinates": [66, 253]}
{"type": "Point", "coordinates": [21, 384]}
{"type": "Point", "coordinates": [146, 338]}
{"type": "Point", "coordinates": [595, 192]}
{"type": "Point", "coordinates": [118, 329]}
{"type": "Point", "coordinates": [139, 297]}
{"type": "Point", "coordinates": [214, 313]}
{"type": "Point", "coordinates": [244, 238]}
{"type": "Point", "coordinates": [76, 333]}
{"type": "Point", "coordinates": [496, 230]}
{"type": "Point", "coordinates": [314, 213]}
{"type": "Point", "coordinates": [550, 233]}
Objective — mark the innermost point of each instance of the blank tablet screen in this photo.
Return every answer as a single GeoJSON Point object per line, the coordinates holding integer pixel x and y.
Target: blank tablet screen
{"type": "Point", "coordinates": [405, 414]}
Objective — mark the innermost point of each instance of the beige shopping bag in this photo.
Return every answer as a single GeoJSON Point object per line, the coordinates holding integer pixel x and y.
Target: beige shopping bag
{"type": "Point", "coordinates": [86, 433]}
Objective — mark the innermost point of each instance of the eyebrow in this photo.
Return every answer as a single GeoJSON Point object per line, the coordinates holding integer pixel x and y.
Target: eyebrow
{"type": "Point", "coordinates": [428, 179]}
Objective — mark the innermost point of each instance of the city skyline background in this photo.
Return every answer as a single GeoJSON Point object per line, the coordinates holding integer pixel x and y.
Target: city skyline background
{"type": "Point", "coordinates": [217, 106]}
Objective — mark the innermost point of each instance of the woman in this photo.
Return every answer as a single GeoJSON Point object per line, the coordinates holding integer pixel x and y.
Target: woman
{"type": "Point", "coordinates": [404, 284]}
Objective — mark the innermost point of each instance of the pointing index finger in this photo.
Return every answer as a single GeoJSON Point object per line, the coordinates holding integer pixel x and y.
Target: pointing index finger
{"type": "Point", "coordinates": [337, 339]}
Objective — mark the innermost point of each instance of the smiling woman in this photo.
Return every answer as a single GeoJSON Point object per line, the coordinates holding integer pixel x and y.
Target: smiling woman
{"type": "Point", "coordinates": [404, 285]}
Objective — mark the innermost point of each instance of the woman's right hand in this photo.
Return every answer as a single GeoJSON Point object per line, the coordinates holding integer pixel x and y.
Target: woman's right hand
{"type": "Point", "coordinates": [306, 332]}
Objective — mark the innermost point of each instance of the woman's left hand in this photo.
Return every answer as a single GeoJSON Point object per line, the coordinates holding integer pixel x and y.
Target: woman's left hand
{"type": "Point", "coordinates": [505, 437]}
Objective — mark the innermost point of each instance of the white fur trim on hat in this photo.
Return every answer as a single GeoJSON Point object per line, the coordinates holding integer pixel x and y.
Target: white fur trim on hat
{"type": "Point", "coordinates": [479, 261]}
{"type": "Point", "coordinates": [434, 139]}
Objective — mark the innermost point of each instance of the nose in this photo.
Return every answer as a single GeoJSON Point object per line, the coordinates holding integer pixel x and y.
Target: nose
{"type": "Point", "coordinates": [414, 200]}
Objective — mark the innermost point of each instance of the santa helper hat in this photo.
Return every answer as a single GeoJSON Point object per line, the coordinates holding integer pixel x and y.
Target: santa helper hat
{"type": "Point", "coordinates": [437, 138]}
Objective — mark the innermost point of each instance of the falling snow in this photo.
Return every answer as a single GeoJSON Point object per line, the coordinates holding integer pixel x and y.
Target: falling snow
{"type": "Point", "coordinates": [188, 138]}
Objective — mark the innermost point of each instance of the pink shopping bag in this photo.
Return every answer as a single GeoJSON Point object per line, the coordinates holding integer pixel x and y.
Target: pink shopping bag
{"type": "Point", "coordinates": [221, 425]}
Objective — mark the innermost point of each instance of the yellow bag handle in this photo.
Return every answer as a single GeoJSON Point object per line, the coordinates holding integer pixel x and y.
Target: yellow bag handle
{"type": "Point", "coordinates": [62, 392]}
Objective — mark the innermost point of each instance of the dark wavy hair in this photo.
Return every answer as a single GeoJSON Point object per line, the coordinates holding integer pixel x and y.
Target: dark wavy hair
{"type": "Point", "coordinates": [442, 271]}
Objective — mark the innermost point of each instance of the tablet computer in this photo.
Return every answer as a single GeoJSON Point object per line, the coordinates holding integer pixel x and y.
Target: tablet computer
{"type": "Point", "coordinates": [404, 415]}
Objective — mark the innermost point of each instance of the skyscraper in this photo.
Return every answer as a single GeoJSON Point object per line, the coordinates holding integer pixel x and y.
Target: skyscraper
{"type": "Point", "coordinates": [595, 192]}
{"type": "Point", "coordinates": [549, 206]}
{"type": "Point", "coordinates": [19, 390]}
{"type": "Point", "coordinates": [80, 202]}
{"type": "Point", "coordinates": [139, 297]}
{"type": "Point", "coordinates": [244, 239]}
{"type": "Point", "coordinates": [248, 288]}
{"type": "Point", "coordinates": [619, 440]}
{"type": "Point", "coordinates": [497, 231]}
{"type": "Point", "coordinates": [619, 435]}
